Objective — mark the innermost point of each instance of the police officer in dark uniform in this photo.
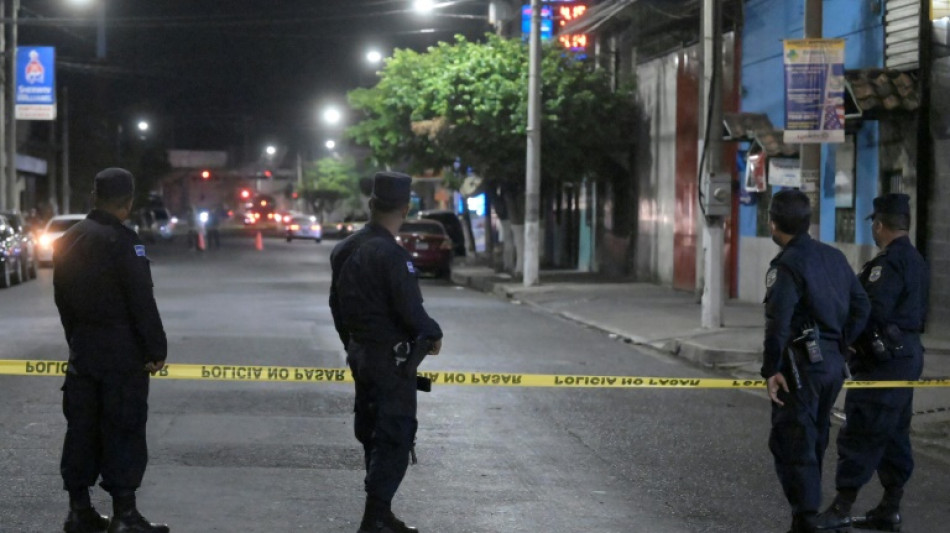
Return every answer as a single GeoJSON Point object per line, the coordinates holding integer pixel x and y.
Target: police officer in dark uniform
{"type": "Point", "coordinates": [876, 436]}
{"type": "Point", "coordinates": [813, 306]}
{"type": "Point", "coordinates": [377, 309]}
{"type": "Point", "coordinates": [103, 290]}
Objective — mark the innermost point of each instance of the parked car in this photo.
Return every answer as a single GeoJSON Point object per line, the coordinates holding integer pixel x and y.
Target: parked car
{"type": "Point", "coordinates": [303, 227]}
{"type": "Point", "coordinates": [54, 230]}
{"type": "Point", "coordinates": [428, 244]}
{"type": "Point", "coordinates": [11, 249]}
{"type": "Point", "coordinates": [28, 261]}
{"type": "Point", "coordinates": [452, 224]}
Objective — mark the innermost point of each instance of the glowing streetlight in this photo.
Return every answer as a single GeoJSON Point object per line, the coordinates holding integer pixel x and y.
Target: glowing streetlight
{"type": "Point", "coordinates": [374, 56]}
{"type": "Point", "coordinates": [423, 6]}
{"type": "Point", "coordinates": [80, 3]}
{"type": "Point", "coordinates": [271, 149]}
{"type": "Point", "coordinates": [332, 115]}
{"type": "Point", "coordinates": [143, 126]}
{"type": "Point", "coordinates": [330, 144]}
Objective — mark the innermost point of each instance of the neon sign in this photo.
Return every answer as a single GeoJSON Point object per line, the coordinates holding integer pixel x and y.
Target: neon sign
{"type": "Point", "coordinates": [568, 13]}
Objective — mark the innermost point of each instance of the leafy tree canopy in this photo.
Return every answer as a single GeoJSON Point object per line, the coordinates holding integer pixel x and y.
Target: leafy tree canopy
{"type": "Point", "coordinates": [330, 180]}
{"type": "Point", "coordinates": [469, 99]}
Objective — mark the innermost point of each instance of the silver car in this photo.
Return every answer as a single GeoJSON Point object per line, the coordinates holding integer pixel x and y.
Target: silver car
{"type": "Point", "coordinates": [54, 230]}
{"type": "Point", "coordinates": [303, 227]}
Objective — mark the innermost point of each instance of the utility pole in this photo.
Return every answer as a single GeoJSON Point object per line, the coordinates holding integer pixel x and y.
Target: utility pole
{"type": "Point", "coordinates": [811, 152]}
{"type": "Point", "coordinates": [66, 191]}
{"type": "Point", "coordinates": [711, 133]}
{"type": "Point", "coordinates": [533, 159]}
{"type": "Point", "coordinates": [13, 199]}
{"type": "Point", "coordinates": [3, 112]}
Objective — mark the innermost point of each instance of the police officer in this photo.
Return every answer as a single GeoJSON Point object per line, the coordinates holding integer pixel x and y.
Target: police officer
{"type": "Point", "coordinates": [813, 305]}
{"type": "Point", "coordinates": [876, 435]}
{"type": "Point", "coordinates": [103, 290]}
{"type": "Point", "coordinates": [377, 306]}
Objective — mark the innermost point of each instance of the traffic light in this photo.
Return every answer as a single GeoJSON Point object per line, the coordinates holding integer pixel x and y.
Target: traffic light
{"type": "Point", "coordinates": [268, 174]}
{"type": "Point", "coordinates": [245, 194]}
{"type": "Point", "coordinates": [206, 174]}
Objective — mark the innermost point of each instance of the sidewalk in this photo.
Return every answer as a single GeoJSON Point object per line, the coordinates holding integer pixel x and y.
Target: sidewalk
{"type": "Point", "coordinates": [669, 320]}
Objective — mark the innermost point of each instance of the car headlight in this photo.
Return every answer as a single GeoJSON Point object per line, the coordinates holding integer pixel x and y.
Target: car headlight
{"type": "Point", "coordinates": [46, 241]}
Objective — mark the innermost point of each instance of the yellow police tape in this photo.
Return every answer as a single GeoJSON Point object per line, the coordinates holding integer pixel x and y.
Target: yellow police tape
{"type": "Point", "coordinates": [490, 379]}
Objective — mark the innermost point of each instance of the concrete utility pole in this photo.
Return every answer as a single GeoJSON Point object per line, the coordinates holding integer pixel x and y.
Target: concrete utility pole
{"type": "Point", "coordinates": [3, 112]}
{"type": "Point", "coordinates": [13, 199]}
{"type": "Point", "coordinates": [711, 95]}
{"type": "Point", "coordinates": [533, 159]}
{"type": "Point", "coordinates": [811, 152]}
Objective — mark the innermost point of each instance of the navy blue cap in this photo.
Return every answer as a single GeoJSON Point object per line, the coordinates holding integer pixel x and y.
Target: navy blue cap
{"type": "Point", "coordinates": [393, 188]}
{"type": "Point", "coordinates": [891, 204]}
{"type": "Point", "coordinates": [113, 183]}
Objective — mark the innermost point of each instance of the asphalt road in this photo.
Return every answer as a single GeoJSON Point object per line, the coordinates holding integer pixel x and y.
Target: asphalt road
{"type": "Point", "coordinates": [275, 457]}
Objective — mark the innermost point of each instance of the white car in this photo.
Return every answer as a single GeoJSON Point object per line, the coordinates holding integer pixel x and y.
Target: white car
{"type": "Point", "coordinates": [303, 227]}
{"type": "Point", "coordinates": [54, 230]}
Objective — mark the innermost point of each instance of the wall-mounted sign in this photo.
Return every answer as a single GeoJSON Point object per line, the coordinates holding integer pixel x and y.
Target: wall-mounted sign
{"type": "Point", "coordinates": [547, 23]}
{"type": "Point", "coordinates": [814, 91]}
{"type": "Point", "coordinates": [755, 178]}
{"type": "Point", "coordinates": [785, 172]}
{"type": "Point", "coordinates": [35, 83]}
{"type": "Point", "coordinates": [565, 13]}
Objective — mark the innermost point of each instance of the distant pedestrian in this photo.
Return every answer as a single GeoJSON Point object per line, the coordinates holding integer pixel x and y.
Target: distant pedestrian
{"type": "Point", "coordinates": [377, 310]}
{"type": "Point", "coordinates": [876, 435]}
{"type": "Point", "coordinates": [103, 290]}
{"type": "Point", "coordinates": [813, 305]}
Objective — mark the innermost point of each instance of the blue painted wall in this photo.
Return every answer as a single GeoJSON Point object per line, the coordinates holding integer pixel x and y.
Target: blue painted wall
{"type": "Point", "coordinates": [767, 23]}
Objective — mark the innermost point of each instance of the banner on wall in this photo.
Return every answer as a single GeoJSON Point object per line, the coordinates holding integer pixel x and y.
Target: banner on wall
{"type": "Point", "coordinates": [785, 172]}
{"type": "Point", "coordinates": [814, 91]}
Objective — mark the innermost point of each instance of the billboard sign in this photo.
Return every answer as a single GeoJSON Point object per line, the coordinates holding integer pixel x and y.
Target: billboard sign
{"type": "Point", "coordinates": [35, 83]}
{"type": "Point", "coordinates": [814, 91]}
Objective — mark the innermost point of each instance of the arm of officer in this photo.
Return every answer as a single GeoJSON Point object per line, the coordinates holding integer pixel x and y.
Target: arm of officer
{"type": "Point", "coordinates": [335, 267]}
{"type": "Point", "coordinates": [135, 279]}
{"type": "Point", "coordinates": [780, 301]}
{"type": "Point", "coordinates": [883, 292]}
{"type": "Point", "coordinates": [858, 312]}
{"type": "Point", "coordinates": [407, 299]}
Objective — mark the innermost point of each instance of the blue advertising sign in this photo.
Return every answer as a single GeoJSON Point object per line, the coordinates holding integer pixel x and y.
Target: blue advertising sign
{"type": "Point", "coordinates": [35, 83]}
{"type": "Point", "coordinates": [814, 91]}
{"type": "Point", "coordinates": [547, 23]}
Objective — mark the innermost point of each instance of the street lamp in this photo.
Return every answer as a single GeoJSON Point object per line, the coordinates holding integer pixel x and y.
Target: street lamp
{"type": "Point", "coordinates": [332, 116]}
{"type": "Point", "coordinates": [330, 144]}
{"type": "Point", "coordinates": [270, 150]}
{"type": "Point", "coordinates": [423, 6]}
{"type": "Point", "coordinates": [143, 126]}
{"type": "Point", "coordinates": [374, 57]}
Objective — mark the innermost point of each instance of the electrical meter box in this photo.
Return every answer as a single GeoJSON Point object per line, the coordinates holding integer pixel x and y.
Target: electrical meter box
{"type": "Point", "coordinates": [717, 194]}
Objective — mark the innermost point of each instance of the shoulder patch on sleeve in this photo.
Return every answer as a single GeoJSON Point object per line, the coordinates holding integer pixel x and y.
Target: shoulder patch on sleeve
{"type": "Point", "coordinates": [875, 274]}
{"type": "Point", "coordinates": [140, 250]}
{"type": "Point", "coordinates": [770, 277]}
{"type": "Point", "coordinates": [410, 267]}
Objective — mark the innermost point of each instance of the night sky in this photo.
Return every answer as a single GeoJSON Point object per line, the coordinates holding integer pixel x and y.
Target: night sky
{"type": "Point", "coordinates": [228, 74]}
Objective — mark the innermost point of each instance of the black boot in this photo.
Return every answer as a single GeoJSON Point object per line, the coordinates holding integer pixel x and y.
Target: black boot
{"type": "Point", "coordinates": [397, 525]}
{"type": "Point", "coordinates": [837, 517]}
{"type": "Point", "coordinates": [379, 518]}
{"type": "Point", "coordinates": [881, 518]}
{"type": "Point", "coordinates": [83, 517]}
{"type": "Point", "coordinates": [127, 518]}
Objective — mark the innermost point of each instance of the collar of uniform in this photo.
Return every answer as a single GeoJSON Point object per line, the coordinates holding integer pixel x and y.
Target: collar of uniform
{"type": "Point", "coordinates": [798, 240]}
{"type": "Point", "coordinates": [104, 217]}
{"type": "Point", "coordinates": [903, 240]}
{"type": "Point", "coordinates": [378, 230]}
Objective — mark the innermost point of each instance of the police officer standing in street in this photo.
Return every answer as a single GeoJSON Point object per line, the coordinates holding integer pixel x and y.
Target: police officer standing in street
{"type": "Point", "coordinates": [378, 313]}
{"type": "Point", "coordinates": [103, 290]}
{"type": "Point", "coordinates": [876, 435]}
{"type": "Point", "coordinates": [813, 306]}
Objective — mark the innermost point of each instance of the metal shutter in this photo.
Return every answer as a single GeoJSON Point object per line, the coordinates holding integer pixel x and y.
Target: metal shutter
{"type": "Point", "coordinates": [901, 34]}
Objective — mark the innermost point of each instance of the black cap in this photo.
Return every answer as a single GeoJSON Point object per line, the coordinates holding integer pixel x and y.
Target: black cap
{"type": "Point", "coordinates": [113, 183]}
{"type": "Point", "coordinates": [392, 188]}
{"type": "Point", "coordinates": [891, 204]}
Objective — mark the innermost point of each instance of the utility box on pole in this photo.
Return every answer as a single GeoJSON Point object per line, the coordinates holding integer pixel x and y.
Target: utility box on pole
{"type": "Point", "coordinates": [717, 194]}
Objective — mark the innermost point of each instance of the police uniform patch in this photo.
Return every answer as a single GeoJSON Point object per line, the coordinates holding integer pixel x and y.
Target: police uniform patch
{"type": "Point", "coordinates": [875, 274]}
{"type": "Point", "coordinates": [140, 250]}
{"type": "Point", "coordinates": [412, 269]}
{"type": "Point", "coordinates": [770, 278]}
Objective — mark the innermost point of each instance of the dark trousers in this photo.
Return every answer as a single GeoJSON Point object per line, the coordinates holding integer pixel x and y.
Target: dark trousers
{"type": "Point", "coordinates": [385, 418]}
{"type": "Point", "coordinates": [876, 436]}
{"type": "Point", "coordinates": [800, 431]}
{"type": "Point", "coordinates": [105, 431]}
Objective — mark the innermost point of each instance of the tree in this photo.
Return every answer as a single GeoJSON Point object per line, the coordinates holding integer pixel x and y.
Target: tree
{"type": "Point", "coordinates": [330, 181]}
{"type": "Point", "coordinates": [468, 100]}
